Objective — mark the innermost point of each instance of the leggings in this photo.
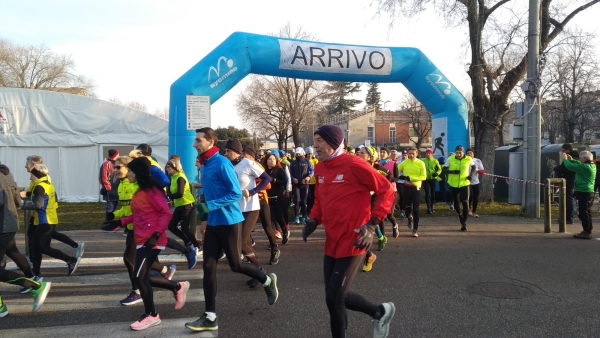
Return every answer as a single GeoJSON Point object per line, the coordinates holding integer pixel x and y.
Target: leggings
{"type": "Point", "coordinates": [412, 200]}
{"type": "Point", "coordinates": [250, 218]}
{"type": "Point", "coordinates": [183, 214]}
{"type": "Point", "coordinates": [173, 244]}
{"type": "Point", "coordinates": [265, 220]}
{"type": "Point", "coordinates": [59, 236]}
{"type": "Point", "coordinates": [41, 245]}
{"type": "Point", "coordinates": [339, 274]}
{"type": "Point", "coordinates": [129, 258]}
{"type": "Point", "coordinates": [226, 238]}
{"type": "Point", "coordinates": [300, 197]}
{"type": "Point", "coordinates": [461, 196]}
{"type": "Point", "coordinates": [13, 253]}
{"type": "Point", "coordinates": [474, 196]}
{"type": "Point", "coordinates": [144, 258]}
{"type": "Point", "coordinates": [279, 206]}
{"type": "Point", "coordinates": [429, 187]}
{"type": "Point", "coordinates": [8, 276]}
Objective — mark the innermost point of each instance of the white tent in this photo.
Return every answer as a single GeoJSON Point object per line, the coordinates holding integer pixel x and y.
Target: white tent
{"type": "Point", "coordinates": [73, 134]}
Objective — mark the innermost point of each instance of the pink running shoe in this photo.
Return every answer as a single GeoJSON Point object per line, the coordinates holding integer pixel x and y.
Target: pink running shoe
{"type": "Point", "coordinates": [278, 234]}
{"type": "Point", "coordinates": [181, 295]}
{"type": "Point", "coordinates": [145, 322]}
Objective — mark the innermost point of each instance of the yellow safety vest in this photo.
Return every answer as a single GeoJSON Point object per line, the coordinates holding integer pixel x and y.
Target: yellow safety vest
{"type": "Point", "coordinates": [187, 197]}
{"type": "Point", "coordinates": [313, 180]}
{"type": "Point", "coordinates": [458, 180]}
{"type": "Point", "coordinates": [46, 215]}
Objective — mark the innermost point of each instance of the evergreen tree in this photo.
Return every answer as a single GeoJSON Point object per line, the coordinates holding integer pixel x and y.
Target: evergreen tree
{"type": "Point", "coordinates": [373, 95]}
{"type": "Point", "coordinates": [338, 93]}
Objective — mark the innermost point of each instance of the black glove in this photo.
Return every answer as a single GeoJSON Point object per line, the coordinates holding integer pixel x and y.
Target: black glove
{"type": "Point", "coordinates": [151, 242]}
{"type": "Point", "coordinates": [454, 172]}
{"type": "Point", "coordinates": [402, 177]}
{"type": "Point", "coordinates": [308, 229]}
{"type": "Point", "coordinates": [434, 175]}
{"type": "Point", "coordinates": [103, 191]}
{"type": "Point", "coordinates": [469, 178]}
{"type": "Point", "coordinates": [110, 216]}
{"type": "Point", "coordinates": [407, 178]}
{"type": "Point", "coordinates": [366, 232]}
{"type": "Point", "coordinates": [112, 225]}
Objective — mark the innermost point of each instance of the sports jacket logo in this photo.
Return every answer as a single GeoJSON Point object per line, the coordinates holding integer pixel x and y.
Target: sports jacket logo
{"type": "Point", "coordinates": [435, 80]}
{"type": "Point", "coordinates": [217, 71]}
{"type": "Point", "coordinates": [338, 179]}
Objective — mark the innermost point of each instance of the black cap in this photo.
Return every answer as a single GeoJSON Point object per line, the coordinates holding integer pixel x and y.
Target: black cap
{"type": "Point", "coordinates": [248, 150]}
{"type": "Point", "coordinates": [140, 166]}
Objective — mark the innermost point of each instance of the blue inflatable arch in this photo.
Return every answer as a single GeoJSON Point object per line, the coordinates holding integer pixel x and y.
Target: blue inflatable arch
{"type": "Point", "coordinates": [244, 53]}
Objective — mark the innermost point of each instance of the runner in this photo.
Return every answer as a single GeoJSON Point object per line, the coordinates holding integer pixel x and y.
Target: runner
{"type": "Point", "coordinates": [221, 209]}
{"type": "Point", "coordinates": [150, 218]}
{"type": "Point", "coordinates": [400, 185]}
{"type": "Point", "coordinates": [276, 195]}
{"type": "Point", "coordinates": [301, 170]}
{"type": "Point", "coordinates": [9, 225]}
{"type": "Point", "coordinates": [474, 185]}
{"type": "Point", "coordinates": [460, 169]}
{"type": "Point", "coordinates": [433, 169]}
{"type": "Point", "coordinates": [343, 206]}
{"type": "Point", "coordinates": [311, 183]}
{"type": "Point", "coordinates": [413, 173]}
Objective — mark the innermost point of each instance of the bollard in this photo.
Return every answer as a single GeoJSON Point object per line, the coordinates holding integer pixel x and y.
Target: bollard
{"type": "Point", "coordinates": [562, 222]}
{"type": "Point", "coordinates": [548, 207]}
{"type": "Point", "coordinates": [562, 207]}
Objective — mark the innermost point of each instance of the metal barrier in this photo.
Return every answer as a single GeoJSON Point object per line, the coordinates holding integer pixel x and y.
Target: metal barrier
{"type": "Point", "coordinates": [548, 199]}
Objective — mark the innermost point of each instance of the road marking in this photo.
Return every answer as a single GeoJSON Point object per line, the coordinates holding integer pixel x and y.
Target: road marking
{"type": "Point", "coordinates": [102, 261]}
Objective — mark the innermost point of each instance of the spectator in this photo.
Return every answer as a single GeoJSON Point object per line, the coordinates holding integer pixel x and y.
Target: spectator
{"type": "Point", "coordinates": [474, 186]}
{"type": "Point", "coordinates": [107, 179]}
{"type": "Point", "coordinates": [569, 176]}
{"type": "Point", "coordinates": [585, 175]}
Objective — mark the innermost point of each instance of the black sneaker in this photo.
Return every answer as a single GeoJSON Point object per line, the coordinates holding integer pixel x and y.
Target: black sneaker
{"type": "Point", "coordinates": [203, 324]}
{"type": "Point", "coordinates": [274, 257]}
{"type": "Point", "coordinates": [410, 222]}
{"type": "Point", "coordinates": [271, 289]}
{"type": "Point", "coordinates": [395, 233]}
{"type": "Point", "coordinates": [429, 211]}
{"type": "Point", "coordinates": [463, 227]}
{"type": "Point", "coordinates": [286, 238]}
{"type": "Point", "coordinates": [73, 266]}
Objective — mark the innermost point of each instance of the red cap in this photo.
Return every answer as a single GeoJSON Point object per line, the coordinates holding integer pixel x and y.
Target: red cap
{"type": "Point", "coordinates": [428, 151]}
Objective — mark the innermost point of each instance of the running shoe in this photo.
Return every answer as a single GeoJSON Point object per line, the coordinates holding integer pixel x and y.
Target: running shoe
{"type": "Point", "coordinates": [403, 214]}
{"type": "Point", "coordinates": [200, 251]}
{"type": "Point", "coordinates": [410, 222]}
{"type": "Point", "coordinates": [369, 263]}
{"type": "Point", "coordinates": [278, 234]}
{"type": "Point", "coordinates": [252, 240]}
{"type": "Point", "coordinates": [381, 326]}
{"type": "Point", "coordinates": [39, 295]}
{"type": "Point", "coordinates": [296, 220]}
{"type": "Point", "coordinates": [463, 227]}
{"type": "Point", "coordinates": [223, 255]}
{"type": "Point", "coordinates": [274, 257]}
{"type": "Point", "coordinates": [181, 295]}
{"type": "Point", "coordinates": [170, 271]}
{"type": "Point", "coordinates": [3, 311]}
{"type": "Point", "coordinates": [79, 250]}
{"type": "Point", "coordinates": [429, 210]}
{"type": "Point", "coordinates": [395, 233]}
{"type": "Point", "coordinates": [192, 257]}
{"type": "Point", "coordinates": [203, 324]}
{"type": "Point", "coordinates": [475, 215]}
{"type": "Point", "coordinates": [414, 233]}
{"type": "Point", "coordinates": [145, 322]}
{"type": "Point", "coordinates": [451, 207]}
{"type": "Point", "coordinates": [382, 242]}
{"type": "Point", "coordinates": [133, 298]}
{"type": "Point", "coordinates": [271, 289]}
{"type": "Point", "coordinates": [73, 266]}
{"type": "Point", "coordinates": [303, 220]}
{"type": "Point", "coordinates": [35, 279]}
{"type": "Point", "coordinates": [286, 235]}
{"type": "Point", "coordinates": [125, 232]}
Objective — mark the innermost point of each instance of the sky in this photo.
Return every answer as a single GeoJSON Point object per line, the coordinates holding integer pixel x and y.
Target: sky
{"type": "Point", "coordinates": [135, 50]}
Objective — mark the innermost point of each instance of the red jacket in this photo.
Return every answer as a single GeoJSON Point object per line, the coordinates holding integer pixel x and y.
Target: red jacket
{"type": "Point", "coordinates": [343, 201]}
{"type": "Point", "coordinates": [104, 177]}
{"type": "Point", "coordinates": [151, 214]}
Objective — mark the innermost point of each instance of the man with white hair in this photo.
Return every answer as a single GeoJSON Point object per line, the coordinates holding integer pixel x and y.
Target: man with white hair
{"type": "Point", "coordinates": [301, 170]}
{"type": "Point", "coordinates": [585, 176]}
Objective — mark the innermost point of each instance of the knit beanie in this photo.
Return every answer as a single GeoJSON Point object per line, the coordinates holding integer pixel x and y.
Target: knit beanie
{"type": "Point", "coordinates": [333, 135]}
{"type": "Point", "coordinates": [386, 149]}
{"type": "Point", "coordinates": [140, 166]}
{"type": "Point", "coordinates": [250, 151]}
{"type": "Point", "coordinates": [234, 145]}
{"type": "Point", "coordinates": [113, 154]}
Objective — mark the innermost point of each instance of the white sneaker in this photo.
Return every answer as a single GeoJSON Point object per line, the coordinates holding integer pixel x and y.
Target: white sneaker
{"type": "Point", "coordinates": [414, 233]}
{"type": "Point", "coordinates": [381, 327]}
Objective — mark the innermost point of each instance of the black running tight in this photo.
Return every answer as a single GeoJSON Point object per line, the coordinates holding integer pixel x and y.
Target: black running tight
{"type": "Point", "coordinates": [460, 196]}
{"type": "Point", "coordinates": [129, 258]}
{"type": "Point", "coordinates": [250, 218]}
{"type": "Point", "coordinates": [265, 220]}
{"type": "Point", "coordinates": [59, 236]}
{"type": "Point", "coordinates": [144, 259]}
{"type": "Point", "coordinates": [300, 198]}
{"type": "Point", "coordinates": [412, 200]}
{"type": "Point", "coordinates": [184, 215]}
{"type": "Point", "coordinates": [339, 274]}
{"type": "Point", "coordinates": [8, 276]}
{"type": "Point", "coordinates": [13, 253]}
{"type": "Point", "coordinates": [227, 238]}
{"type": "Point", "coordinates": [474, 197]}
{"type": "Point", "coordinates": [279, 208]}
{"type": "Point", "coordinates": [40, 244]}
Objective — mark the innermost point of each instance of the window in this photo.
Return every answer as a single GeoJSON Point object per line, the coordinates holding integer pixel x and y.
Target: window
{"type": "Point", "coordinates": [370, 134]}
{"type": "Point", "coordinates": [412, 132]}
{"type": "Point", "coordinates": [392, 134]}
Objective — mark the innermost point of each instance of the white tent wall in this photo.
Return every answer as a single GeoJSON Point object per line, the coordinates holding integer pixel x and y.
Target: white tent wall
{"type": "Point", "coordinates": [70, 132]}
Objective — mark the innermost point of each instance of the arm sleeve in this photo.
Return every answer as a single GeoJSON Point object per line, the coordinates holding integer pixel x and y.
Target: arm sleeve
{"type": "Point", "coordinates": [159, 176]}
{"type": "Point", "coordinates": [17, 198]}
{"type": "Point", "coordinates": [289, 179]}
{"type": "Point", "coordinates": [180, 189]}
{"type": "Point", "coordinates": [290, 171]}
{"type": "Point", "coordinates": [371, 180]}
{"type": "Point", "coordinates": [573, 165]}
{"type": "Point", "coordinates": [37, 199]}
{"type": "Point", "coordinates": [161, 206]}
{"type": "Point", "coordinates": [126, 220]}
{"type": "Point", "coordinates": [438, 168]}
{"type": "Point", "coordinates": [119, 213]}
{"type": "Point", "coordinates": [422, 176]}
{"type": "Point", "coordinates": [265, 179]}
{"type": "Point", "coordinates": [105, 176]}
{"type": "Point", "coordinates": [232, 186]}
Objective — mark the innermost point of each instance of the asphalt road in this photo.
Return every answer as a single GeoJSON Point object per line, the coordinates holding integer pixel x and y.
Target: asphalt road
{"type": "Point", "coordinates": [502, 278]}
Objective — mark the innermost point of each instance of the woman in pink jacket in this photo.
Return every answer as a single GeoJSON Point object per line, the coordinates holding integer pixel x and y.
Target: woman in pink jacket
{"type": "Point", "coordinates": [150, 218]}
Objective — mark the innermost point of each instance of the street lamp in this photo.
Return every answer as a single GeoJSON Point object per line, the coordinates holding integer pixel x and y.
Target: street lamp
{"type": "Point", "coordinates": [384, 104]}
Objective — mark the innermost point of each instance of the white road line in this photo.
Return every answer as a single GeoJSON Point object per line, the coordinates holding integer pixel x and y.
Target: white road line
{"type": "Point", "coordinates": [102, 261]}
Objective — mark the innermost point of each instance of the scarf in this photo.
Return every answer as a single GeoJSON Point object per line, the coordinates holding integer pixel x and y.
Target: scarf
{"type": "Point", "coordinates": [337, 152]}
{"type": "Point", "coordinates": [236, 161]}
{"type": "Point", "coordinates": [207, 154]}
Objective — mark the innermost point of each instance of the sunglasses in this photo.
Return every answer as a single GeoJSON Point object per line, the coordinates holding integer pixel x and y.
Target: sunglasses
{"type": "Point", "coordinates": [118, 167]}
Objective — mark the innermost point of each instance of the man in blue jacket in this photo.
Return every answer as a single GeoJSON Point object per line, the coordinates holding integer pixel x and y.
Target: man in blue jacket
{"type": "Point", "coordinates": [223, 231]}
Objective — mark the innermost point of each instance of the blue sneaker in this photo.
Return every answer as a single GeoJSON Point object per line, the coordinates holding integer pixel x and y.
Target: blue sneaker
{"type": "Point", "coordinates": [192, 257]}
{"type": "Point", "coordinates": [296, 220]}
{"type": "Point", "coordinates": [303, 220]}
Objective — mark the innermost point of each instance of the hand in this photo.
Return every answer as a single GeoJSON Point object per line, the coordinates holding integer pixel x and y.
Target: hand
{"type": "Point", "coordinates": [469, 178]}
{"type": "Point", "coordinates": [110, 216]}
{"type": "Point", "coordinates": [308, 229]}
{"type": "Point", "coordinates": [407, 178]}
{"type": "Point", "coordinates": [245, 193]}
{"type": "Point", "coordinates": [23, 194]}
{"type": "Point", "coordinates": [295, 181]}
{"type": "Point", "coordinates": [457, 172]}
{"type": "Point", "coordinates": [306, 180]}
{"type": "Point", "coordinates": [113, 226]}
{"type": "Point", "coordinates": [366, 232]}
{"type": "Point", "coordinates": [202, 211]}
{"type": "Point", "coordinates": [151, 242]}
{"type": "Point", "coordinates": [434, 175]}
{"type": "Point", "coordinates": [569, 157]}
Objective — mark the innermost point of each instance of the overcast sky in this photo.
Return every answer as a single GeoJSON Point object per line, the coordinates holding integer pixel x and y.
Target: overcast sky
{"type": "Point", "coordinates": [135, 50]}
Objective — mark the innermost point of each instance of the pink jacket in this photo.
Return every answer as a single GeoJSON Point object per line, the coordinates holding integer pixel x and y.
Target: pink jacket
{"type": "Point", "coordinates": [151, 214]}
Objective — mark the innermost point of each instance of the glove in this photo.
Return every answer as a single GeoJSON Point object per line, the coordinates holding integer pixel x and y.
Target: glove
{"type": "Point", "coordinates": [113, 226]}
{"type": "Point", "coordinates": [434, 175]}
{"type": "Point", "coordinates": [402, 177]}
{"type": "Point", "coordinates": [110, 216]}
{"type": "Point", "coordinates": [308, 229]}
{"type": "Point", "coordinates": [151, 242]}
{"type": "Point", "coordinates": [407, 178]}
{"type": "Point", "coordinates": [366, 232]}
{"type": "Point", "coordinates": [202, 211]}
{"type": "Point", "coordinates": [103, 191]}
{"type": "Point", "coordinates": [454, 172]}
{"type": "Point", "coordinates": [469, 178]}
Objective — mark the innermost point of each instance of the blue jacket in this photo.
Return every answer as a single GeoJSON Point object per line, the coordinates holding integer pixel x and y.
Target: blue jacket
{"type": "Point", "coordinates": [221, 191]}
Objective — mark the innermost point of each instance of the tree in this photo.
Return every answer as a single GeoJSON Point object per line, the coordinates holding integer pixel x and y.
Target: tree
{"type": "Point", "coordinates": [373, 95]}
{"type": "Point", "coordinates": [498, 58]}
{"type": "Point", "coordinates": [337, 93]}
{"type": "Point", "coordinates": [231, 132]}
{"type": "Point", "coordinates": [163, 113]}
{"type": "Point", "coordinates": [37, 67]}
{"type": "Point", "coordinates": [572, 88]}
{"type": "Point", "coordinates": [131, 104]}
{"type": "Point", "coordinates": [419, 119]}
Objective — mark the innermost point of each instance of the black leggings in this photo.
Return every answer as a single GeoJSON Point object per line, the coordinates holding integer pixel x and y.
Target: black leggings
{"type": "Point", "coordinates": [129, 258]}
{"type": "Point", "coordinates": [265, 220]}
{"type": "Point", "coordinates": [461, 196]}
{"type": "Point", "coordinates": [228, 239]}
{"type": "Point", "coordinates": [300, 197]}
{"type": "Point", "coordinates": [412, 200]}
{"type": "Point", "coordinates": [311, 198]}
{"type": "Point", "coordinates": [279, 207]}
{"type": "Point", "coordinates": [173, 244]}
{"type": "Point", "coordinates": [339, 274]}
{"type": "Point", "coordinates": [144, 258]}
{"type": "Point", "coordinates": [8, 276]}
{"type": "Point", "coordinates": [12, 251]}
{"type": "Point", "coordinates": [474, 196]}
{"type": "Point", "coordinates": [59, 236]}
{"type": "Point", "coordinates": [250, 218]}
{"type": "Point", "coordinates": [429, 187]}
{"type": "Point", "coordinates": [40, 244]}
{"type": "Point", "coordinates": [183, 214]}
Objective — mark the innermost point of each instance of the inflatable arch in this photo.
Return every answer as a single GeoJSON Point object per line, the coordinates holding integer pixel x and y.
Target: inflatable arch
{"type": "Point", "coordinates": [243, 53]}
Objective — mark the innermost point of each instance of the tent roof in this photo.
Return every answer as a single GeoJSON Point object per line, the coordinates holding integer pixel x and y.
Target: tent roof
{"type": "Point", "coordinates": [44, 118]}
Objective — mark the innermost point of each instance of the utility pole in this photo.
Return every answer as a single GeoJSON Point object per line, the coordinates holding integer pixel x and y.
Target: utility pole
{"type": "Point", "coordinates": [533, 127]}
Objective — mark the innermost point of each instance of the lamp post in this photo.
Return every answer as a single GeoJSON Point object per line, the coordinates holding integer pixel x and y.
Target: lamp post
{"type": "Point", "coordinates": [388, 133]}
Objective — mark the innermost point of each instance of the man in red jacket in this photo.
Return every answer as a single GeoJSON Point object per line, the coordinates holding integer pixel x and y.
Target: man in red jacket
{"type": "Point", "coordinates": [343, 205]}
